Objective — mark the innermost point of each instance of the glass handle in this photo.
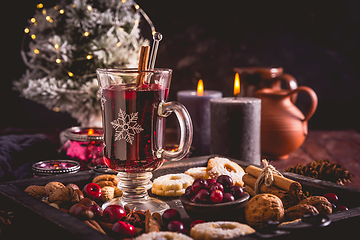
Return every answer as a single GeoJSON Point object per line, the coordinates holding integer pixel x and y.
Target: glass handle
{"type": "Point", "coordinates": [186, 130]}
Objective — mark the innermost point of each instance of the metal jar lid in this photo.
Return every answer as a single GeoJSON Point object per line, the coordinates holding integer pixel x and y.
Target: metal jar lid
{"type": "Point", "coordinates": [76, 134]}
{"type": "Point", "coordinates": [50, 167]}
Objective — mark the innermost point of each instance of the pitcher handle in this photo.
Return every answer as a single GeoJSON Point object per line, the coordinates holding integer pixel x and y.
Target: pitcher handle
{"type": "Point", "coordinates": [186, 130]}
{"type": "Point", "coordinates": [314, 100]}
{"type": "Point", "coordinates": [291, 83]}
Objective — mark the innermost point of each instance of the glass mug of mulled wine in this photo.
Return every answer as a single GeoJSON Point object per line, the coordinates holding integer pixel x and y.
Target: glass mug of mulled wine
{"type": "Point", "coordinates": [134, 109]}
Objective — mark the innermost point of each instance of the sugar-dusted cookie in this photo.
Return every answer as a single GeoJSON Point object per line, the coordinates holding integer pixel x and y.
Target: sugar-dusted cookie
{"type": "Point", "coordinates": [222, 166]}
{"type": "Point", "coordinates": [163, 235]}
{"type": "Point", "coordinates": [219, 230]}
{"type": "Point", "coordinates": [197, 172]}
{"type": "Point", "coordinates": [171, 185]}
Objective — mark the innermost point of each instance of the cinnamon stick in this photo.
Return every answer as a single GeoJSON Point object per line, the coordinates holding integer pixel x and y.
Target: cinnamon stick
{"type": "Point", "coordinates": [287, 197]}
{"type": "Point", "coordinates": [143, 64]}
{"type": "Point", "coordinates": [151, 223]}
{"type": "Point", "coordinates": [105, 225]}
{"type": "Point", "coordinates": [279, 181]}
{"type": "Point", "coordinates": [249, 180]}
{"type": "Point", "coordinates": [250, 190]}
{"type": "Point", "coordinates": [95, 225]}
{"type": "Point", "coordinates": [157, 217]}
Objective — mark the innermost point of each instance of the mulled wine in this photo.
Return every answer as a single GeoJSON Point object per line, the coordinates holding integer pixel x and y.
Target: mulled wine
{"type": "Point", "coordinates": [134, 108]}
{"type": "Point", "coordinates": [130, 123]}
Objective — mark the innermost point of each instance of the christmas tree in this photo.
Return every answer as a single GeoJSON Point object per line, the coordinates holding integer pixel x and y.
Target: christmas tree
{"type": "Point", "coordinates": [68, 42]}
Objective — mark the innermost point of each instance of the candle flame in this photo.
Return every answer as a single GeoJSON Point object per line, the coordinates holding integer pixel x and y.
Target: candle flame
{"type": "Point", "coordinates": [90, 131]}
{"type": "Point", "coordinates": [200, 88]}
{"type": "Point", "coordinates": [237, 85]}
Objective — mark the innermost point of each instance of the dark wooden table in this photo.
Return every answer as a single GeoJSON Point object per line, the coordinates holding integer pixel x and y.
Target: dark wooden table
{"type": "Point", "coordinates": [338, 146]}
{"type": "Point", "coordinates": [342, 146]}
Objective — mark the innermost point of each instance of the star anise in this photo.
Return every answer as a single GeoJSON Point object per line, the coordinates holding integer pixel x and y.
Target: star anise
{"type": "Point", "coordinates": [135, 217]}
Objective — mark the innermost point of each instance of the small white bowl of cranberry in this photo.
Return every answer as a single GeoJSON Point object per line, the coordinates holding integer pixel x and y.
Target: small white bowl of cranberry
{"type": "Point", "coordinates": [215, 199]}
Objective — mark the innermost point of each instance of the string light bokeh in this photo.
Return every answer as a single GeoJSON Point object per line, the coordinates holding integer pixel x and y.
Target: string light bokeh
{"type": "Point", "coordinates": [66, 43]}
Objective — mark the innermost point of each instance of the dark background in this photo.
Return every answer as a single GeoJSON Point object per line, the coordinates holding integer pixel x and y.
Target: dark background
{"type": "Point", "coordinates": [318, 42]}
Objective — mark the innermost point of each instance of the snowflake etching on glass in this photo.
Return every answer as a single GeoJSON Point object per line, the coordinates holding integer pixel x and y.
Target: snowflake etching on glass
{"type": "Point", "coordinates": [126, 126]}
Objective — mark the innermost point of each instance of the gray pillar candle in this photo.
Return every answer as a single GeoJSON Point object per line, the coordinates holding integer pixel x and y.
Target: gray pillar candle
{"type": "Point", "coordinates": [199, 110]}
{"type": "Point", "coordinates": [235, 128]}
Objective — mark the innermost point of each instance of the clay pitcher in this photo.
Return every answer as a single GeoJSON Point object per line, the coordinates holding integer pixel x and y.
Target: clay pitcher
{"type": "Point", "coordinates": [283, 126]}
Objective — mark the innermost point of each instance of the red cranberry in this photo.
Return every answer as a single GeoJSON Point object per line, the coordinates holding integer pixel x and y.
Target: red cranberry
{"type": "Point", "coordinates": [196, 222]}
{"type": "Point", "coordinates": [228, 197]}
{"type": "Point", "coordinates": [123, 228]}
{"type": "Point", "coordinates": [198, 184]}
{"type": "Point", "coordinates": [210, 182]}
{"type": "Point", "coordinates": [216, 196]}
{"type": "Point", "coordinates": [226, 181]}
{"type": "Point", "coordinates": [332, 197]}
{"type": "Point", "coordinates": [170, 215]}
{"type": "Point", "coordinates": [202, 196]}
{"type": "Point", "coordinates": [236, 191]}
{"type": "Point", "coordinates": [341, 208]}
{"type": "Point", "coordinates": [175, 226]}
{"type": "Point", "coordinates": [93, 191]}
{"type": "Point", "coordinates": [113, 213]}
{"type": "Point", "coordinates": [184, 231]}
{"type": "Point", "coordinates": [189, 193]}
{"type": "Point", "coordinates": [217, 186]}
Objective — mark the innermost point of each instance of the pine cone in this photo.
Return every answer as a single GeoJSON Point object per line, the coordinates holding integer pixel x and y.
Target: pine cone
{"type": "Point", "coordinates": [323, 169]}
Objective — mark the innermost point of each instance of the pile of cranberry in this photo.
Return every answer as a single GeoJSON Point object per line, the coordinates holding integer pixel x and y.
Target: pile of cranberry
{"type": "Point", "coordinates": [334, 200]}
{"type": "Point", "coordinates": [171, 220]}
{"type": "Point", "coordinates": [218, 190]}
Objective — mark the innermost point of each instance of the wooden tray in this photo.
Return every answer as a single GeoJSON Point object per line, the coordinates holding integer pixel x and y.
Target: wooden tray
{"type": "Point", "coordinates": [36, 219]}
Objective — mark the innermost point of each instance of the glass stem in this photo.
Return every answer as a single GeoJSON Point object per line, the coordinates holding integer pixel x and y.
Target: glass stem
{"type": "Point", "coordinates": [135, 186]}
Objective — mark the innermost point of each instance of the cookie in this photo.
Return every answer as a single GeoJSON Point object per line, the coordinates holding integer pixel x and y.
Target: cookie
{"type": "Point", "coordinates": [197, 172]}
{"type": "Point", "coordinates": [219, 230]}
{"type": "Point", "coordinates": [320, 203]}
{"type": "Point", "coordinates": [262, 208]}
{"type": "Point", "coordinates": [171, 185]}
{"type": "Point", "coordinates": [298, 211]}
{"type": "Point", "coordinates": [106, 180]}
{"type": "Point", "coordinates": [222, 166]}
{"type": "Point", "coordinates": [163, 235]}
